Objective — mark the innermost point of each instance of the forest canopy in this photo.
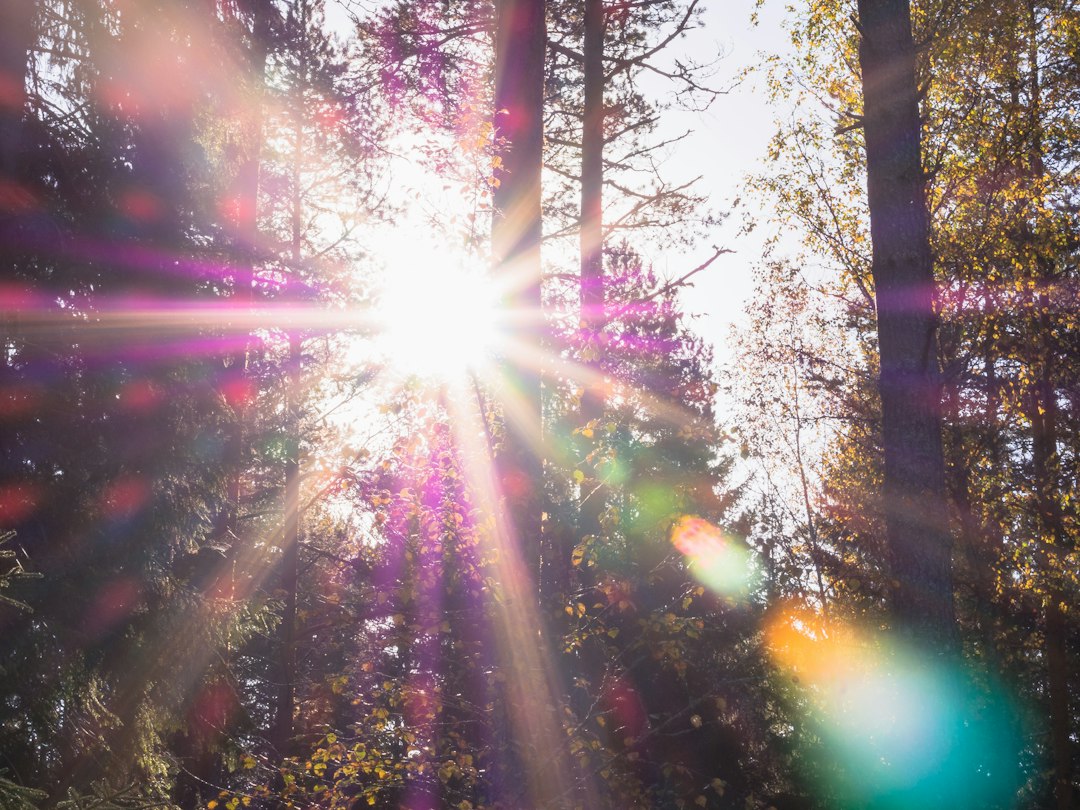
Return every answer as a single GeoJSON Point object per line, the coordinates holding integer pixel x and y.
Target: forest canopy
{"type": "Point", "coordinates": [360, 445]}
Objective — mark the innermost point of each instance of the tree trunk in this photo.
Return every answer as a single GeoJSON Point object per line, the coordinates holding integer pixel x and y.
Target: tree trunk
{"type": "Point", "coordinates": [531, 695]}
{"type": "Point", "coordinates": [592, 244]}
{"type": "Point", "coordinates": [245, 227]}
{"type": "Point", "coordinates": [1046, 460]}
{"type": "Point", "coordinates": [1057, 664]}
{"type": "Point", "coordinates": [916, 518]}
{"type": "Point", "coordinates": [290, 535]}
{"type": "Point", "coordinates": [516, 230]}
{"type": "Point", "coordinates": [290, 551]}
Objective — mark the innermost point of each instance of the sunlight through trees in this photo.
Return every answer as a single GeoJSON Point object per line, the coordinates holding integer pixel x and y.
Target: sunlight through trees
{"type": "Point", "coordinates": [356, 453]}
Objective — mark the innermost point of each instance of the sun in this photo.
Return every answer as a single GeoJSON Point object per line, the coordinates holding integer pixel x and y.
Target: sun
{"type": "Point", "coordinates": [438, 312]}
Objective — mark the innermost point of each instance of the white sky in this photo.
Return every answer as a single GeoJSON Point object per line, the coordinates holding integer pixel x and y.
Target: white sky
{"type": "Point", "coordinates": [728, 143]}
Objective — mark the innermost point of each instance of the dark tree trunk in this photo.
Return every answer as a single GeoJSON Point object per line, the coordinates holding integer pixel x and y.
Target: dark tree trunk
{"type": "Point", "coordinates": [1057, 664]}
{"type": "Point", "coordinates": [290, 550]}
{"type": "Point", "coordinates": [203, 759]}
{"type": "Point", "coordinates": [516, 229]}
{"type": "Point", "coordinates": [1053, 544]}
{"type": "Point", "coordinates": [592, 243]}
{"type": "Point", "coordinates": [1046, 460]}
{"type": "Point", "coordinates": [531, 695]}
{"type": "Point", "coordinates": [245, 227]}
{"type": "Point", "coordinates": [916, 518]}
{"type": "Point", "coordinates": [290, 532]}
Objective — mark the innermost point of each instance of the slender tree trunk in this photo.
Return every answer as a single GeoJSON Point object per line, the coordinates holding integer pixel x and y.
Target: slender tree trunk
{"type": "Point", "coordinates": [1045, 460]}
{"type": "Point", "coordinates": [592, 243]}
{"type": "Point", "coordinates": [916, 519]}
{"type": "Point", "coordinates": [290, 551]}
{"type": "Point", "coordinates": [290, 540]}
{"type": "Point", "coordinates": [520, 39]}
{"type": "Point", "coordinates": [531, 696]}
{"type": "Point", "coordinates": [246, 239]}
{"type": "Point", "coordinates": [975, 546]}
{"type": "Point", "coordinates": [1057, 663]}
{"type": "Point", "coordinates": [1044, 425]}
{"type": "Point", "coordinates": [203, 763]}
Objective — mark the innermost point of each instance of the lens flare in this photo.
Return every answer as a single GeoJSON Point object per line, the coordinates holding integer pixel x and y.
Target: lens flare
{"type": "Point", "coordinates": [719, 561]}
{"type": "Point", "coordinates": [898, 728]}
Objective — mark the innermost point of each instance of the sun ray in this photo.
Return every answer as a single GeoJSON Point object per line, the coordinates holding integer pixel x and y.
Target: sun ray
{"type": "Point", "coordinates": [535, 692]}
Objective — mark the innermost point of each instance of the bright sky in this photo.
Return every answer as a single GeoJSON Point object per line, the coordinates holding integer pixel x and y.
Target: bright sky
{"type": "Point", "coordinates": [728, 143]}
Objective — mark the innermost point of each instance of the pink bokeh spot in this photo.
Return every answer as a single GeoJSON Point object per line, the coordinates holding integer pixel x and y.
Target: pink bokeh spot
{"type": "Point", "coordinates": [18, 502]}
{"type": "Point", "coordinates": [114, 603]}
{"type": "Point", "coordinates": [124, 497]}
{"type": "Point", "coordinates": [140, 396]}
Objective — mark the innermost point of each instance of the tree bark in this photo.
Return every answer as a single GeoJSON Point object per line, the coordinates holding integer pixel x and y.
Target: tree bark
{"type": "Point", "coordinates": [531, 695]}
{"type": "Point", "coordinates": [520, 37]}
{"type": "Point", "coordinates": [245, 228]}
{"type": "Point", "coordinates": [1045, 462]}
{"type": "Point", "coordinates": [284, 730]}
{"type": "Point", "coordinates": [1046, 459]}
{"type": "Point", "coordinates": [916, 517]}
{"type": "Point", "coordinates": [290, 535]}
{"type": "Point", "coordinates": [592, 244]}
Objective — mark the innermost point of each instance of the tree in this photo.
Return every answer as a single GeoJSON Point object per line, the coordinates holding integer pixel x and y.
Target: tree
{"type": "Point", "coordinates": [978, 132]}
{"type": "Point", "coordinates": [916, 517]}
{"type": "Point", "coordinates": [515, 245]}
